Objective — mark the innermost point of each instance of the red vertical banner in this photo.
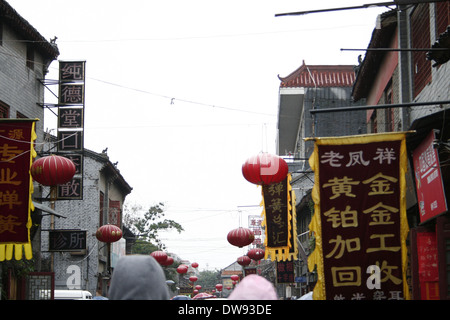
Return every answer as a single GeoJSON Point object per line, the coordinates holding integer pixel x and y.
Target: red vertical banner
{"type": "Point", "coordinates": [359, 221]}
{"type": "Point", "coordinates": [427, 258]}
{"type": "Point", "coordinates": [427, 171]}
{"type": "Point", "coordinates": [16, 154]}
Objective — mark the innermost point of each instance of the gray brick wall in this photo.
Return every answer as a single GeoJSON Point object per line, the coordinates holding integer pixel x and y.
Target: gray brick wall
{"type": "Point", "coordinates": [19, 85]}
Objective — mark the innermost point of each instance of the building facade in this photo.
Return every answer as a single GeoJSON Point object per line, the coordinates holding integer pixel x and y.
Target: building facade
{"type": "Point", "coordinates": [104, 192]}
{"type": "Point", "coordinates": [412, 74]}
{"type": "Point", "coordinates": [312, 87]}
{"type": "Point", "coordinates": [25, 56]}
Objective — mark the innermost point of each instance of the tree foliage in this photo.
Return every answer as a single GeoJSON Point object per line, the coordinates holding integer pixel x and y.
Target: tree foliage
{"type": "Point", "coordinates": [147, 226]}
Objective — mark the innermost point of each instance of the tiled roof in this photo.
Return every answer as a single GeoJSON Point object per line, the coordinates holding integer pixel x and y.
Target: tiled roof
{"type": "Point", "coordinates": [10, 16]}
{"type": "Point", "coordinates": [319, 76]}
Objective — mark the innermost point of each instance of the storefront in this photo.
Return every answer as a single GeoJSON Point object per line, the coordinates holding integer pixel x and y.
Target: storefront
{"type": "Point", "coordinates": [429, 152]}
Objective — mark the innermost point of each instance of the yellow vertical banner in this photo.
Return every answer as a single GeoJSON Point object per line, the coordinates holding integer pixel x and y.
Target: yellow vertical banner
{"type": "Point", "coordinates": [359, 223]}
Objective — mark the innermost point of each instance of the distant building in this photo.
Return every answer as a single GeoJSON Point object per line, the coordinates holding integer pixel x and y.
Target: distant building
{"type": "Point", "coordinates": [104, 192]}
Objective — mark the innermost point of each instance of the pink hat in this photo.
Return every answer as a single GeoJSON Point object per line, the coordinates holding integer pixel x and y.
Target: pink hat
{"type": "Point", "coordinates": [254, 287]}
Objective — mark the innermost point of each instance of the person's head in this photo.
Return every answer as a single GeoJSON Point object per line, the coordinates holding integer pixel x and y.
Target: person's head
{"type": "Point", "coordinates": [138, 277]}
{"type": "Point", "coordinates": [254, 287]}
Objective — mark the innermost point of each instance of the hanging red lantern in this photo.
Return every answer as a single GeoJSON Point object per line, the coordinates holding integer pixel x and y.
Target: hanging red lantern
{"type": "Point", "coordinates": [108, 233]}
{"type": "Point", "coordinates": [198, 287]}
{"type": "Point", "coordinates": [256, 254]}
{"type": "Point", "coordinates": [265, 168]}
{"type": "Point", "coordinates": [159, 256]}
{"type": "Point", "coordinates": [219, 287]}
{"type": "Point", "coordinates": [182, 269]}
{"type": "Point", "coordinates": [240, 237]}
{"type": "Point", "coordinates": [193, 278]}
{"type": "Point", "coordinates": [194, 265]}
{"type": "Point", "coordinates": [195, 291]}
{"type": "Point", "coordinates": [168, 261]}
{"type": "Point", "coordinates": [244, 260]}
{"type": "Point", "coordinates": [235, 277]}
{"type": "Point", "coordinates": [52, 170]}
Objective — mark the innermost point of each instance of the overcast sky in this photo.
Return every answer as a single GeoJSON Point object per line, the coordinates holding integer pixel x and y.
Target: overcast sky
{"type": "Point", "coordinates": [183, 92]}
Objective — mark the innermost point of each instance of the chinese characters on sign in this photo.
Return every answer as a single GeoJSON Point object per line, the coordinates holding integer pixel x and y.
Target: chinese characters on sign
{"type": "Point", "coordinates": [254, 224]}
{"type": "Point", "coordinates": [362, 218]}
{"type": "Point", "coordinates": [285, 272]}
{"type": "Point", "coordinates": [16, 154]}
{"type": "Point", "coordinates": [279, 217]}
{"type": "Point", "coordinates": [71, 124]}
{"type": "Point", "coordinates": [430, 189]}
{"type": "Point", "coordinates": [67, 240]}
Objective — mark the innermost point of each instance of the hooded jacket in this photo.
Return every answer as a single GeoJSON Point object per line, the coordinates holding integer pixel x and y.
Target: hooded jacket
{"type": "Point", "coordinates": [254, 287]}
{"type": "Point", "coordinates": [138, 277]}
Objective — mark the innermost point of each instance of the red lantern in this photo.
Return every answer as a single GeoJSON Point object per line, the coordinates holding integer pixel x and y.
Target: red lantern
{"type": "Point", "coordinates": [265, 168]}
{"type": "Point", "coordinates": [195, 291]}
{"type": "Point", "coordinates": [240, 237]}
{"type": "Point", "coordinates": [159, 256]}
{"type": "Point", "coordinates": [256, 253]}
{"type": "Point", "coordinates": [52, 170]}
{"type": "Point", "coordinates": [182, 269]}
{"type": "Point", "coordinates": [168, 261]}
{"type": "Point", "coordinates": [235, 277]}
{"type": "Point", "coordinates": [193, 278]}
{"type": "Point", "coordinates": [108, 233]}
{"type": "Point", "coordinates": [198, 287]}
{"type": "Point", "coordinates": [194, 265]}
{"type": "Point", "coordinates": [244, 260]}
{"type": "Point", "coordinates": [219, 287]}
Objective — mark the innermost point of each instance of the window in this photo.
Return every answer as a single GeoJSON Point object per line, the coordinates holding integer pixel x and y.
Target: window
{"type": "Point", "coordinates": [420, 38]}
{"type": "Point", "coordinates": [20, 115]}
{"type": "Point", "coordinates": [4, 110]}
{"type": "Point", "coordinates": [442, 16]}
{"type": "Point", "coordinates": [30, 56]}
{"type": "Point", "coordinates": [443, 239]}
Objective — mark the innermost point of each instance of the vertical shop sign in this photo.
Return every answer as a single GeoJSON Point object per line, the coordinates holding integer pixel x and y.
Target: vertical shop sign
{"type": "Point", "coordinates": [279, 219]}
{"type": "Point", "coordinates": [71, 124]}
{"type": "Point", "coordinates": [427, 171]}
{"type": "Point", "coordinates": [254, 224]}
{"type": "Point", "coordinates": [427, 258]}
{"type": "Point", "coordinates": [16, 155]}
{"type": "Point", "coordinates": [285, 272]}
{"type": "Point", "coordinates": [360, 217]}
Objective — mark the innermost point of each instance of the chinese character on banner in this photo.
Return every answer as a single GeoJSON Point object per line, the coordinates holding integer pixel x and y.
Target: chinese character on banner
{"type": "Point", "coordinates": [16, 156]}
{"type": "Point", "coordinates": [285, 272]}
{"type": "Point", "coordinates": [429, 184]}
{"type": "Point", "coordinates": [280, 220]}
{"type": "Point", "coordinates": [72, 71]}
{"type": "Point", "coordinates": [71, 124]}
{"type": "Point", "coordinates": [359, 220]}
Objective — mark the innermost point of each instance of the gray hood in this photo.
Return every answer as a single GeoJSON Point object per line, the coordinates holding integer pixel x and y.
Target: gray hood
{"type": "Point", "coordinates": [138, 277]}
